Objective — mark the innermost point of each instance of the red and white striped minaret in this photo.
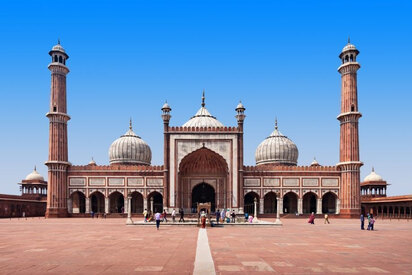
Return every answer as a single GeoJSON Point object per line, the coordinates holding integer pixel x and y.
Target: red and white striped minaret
{"type": "Point", "coordinates": [58, 156]}
{"type": "Point", "coordinates": [349, 162]}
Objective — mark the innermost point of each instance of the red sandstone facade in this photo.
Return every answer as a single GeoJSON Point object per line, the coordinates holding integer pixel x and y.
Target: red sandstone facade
{"type": "Point", "coordinates": [203, 162]}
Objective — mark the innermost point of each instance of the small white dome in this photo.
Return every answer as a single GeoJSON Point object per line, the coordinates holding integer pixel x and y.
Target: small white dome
{"type": "Point", "coordinates": [130, 149]}
{"type": "Point", "coordinates": [314, 162]}
{"type": "Point", "coordinates": [277, 149]}
{"type": "Point", "coordinates": [34, 176]}
{"type": "Point", "coordinates": [166, 107]}
{"type": "Point", "coordinates": [349, 47]}
{"type": "Point", "coordinates": [58, 47]}
{"type": "Point", "coordinates": [240, 106]}
{"type": "Point", "coordinates": [373, 177]}
{"type": "Point", "coordinates": [92, 162]}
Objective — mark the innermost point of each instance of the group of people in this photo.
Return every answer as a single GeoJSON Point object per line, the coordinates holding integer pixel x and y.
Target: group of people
{"type": "Point", "coordinates": [312, 218]}
{"type": "Point", "coordinates": [93, 214]}
{"type": "Point", "coordinates": [225, 215]}
{"type": "Point", "coordinates": [371, 221]}
{"type": "Point", "coordinates": [158, 217]}
{"type": "Point", "coordinates": [369, 217]}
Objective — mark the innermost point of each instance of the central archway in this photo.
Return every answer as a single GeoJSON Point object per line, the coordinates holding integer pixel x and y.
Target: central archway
{"type": "Point", "coordinates": [203, 192]}
{"type": "Point", "coordinates": [203, 177]}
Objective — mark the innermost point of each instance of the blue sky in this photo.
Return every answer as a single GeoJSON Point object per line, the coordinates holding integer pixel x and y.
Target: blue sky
{"type": "Point", "coordinates": [279, 57]}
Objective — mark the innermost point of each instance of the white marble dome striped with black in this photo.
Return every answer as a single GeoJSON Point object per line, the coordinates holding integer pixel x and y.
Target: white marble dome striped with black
{"type": "Point", "coordinates": [130, 149]}
{"type": "Point", "coordinates": [277, 149]}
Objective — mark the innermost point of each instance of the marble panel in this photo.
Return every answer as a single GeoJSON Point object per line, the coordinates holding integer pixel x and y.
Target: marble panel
{"type": "Point", "coordinates": [97, 181]}
{"type": "Point", "coordinates": [116, 181]}
{"type": "Point", "coordinates": [330, 182]}
{"type": "Point", "coordinates": [77, 181]}
{"type": "Point", "coordinates": [291, 182]}
{"type": "Point", "coordinates": [154, 182]}
{"type": "Point", "coordinates": [271, 182]}
{"type": "Point", "coordinates": [135, 182]}
{"type": "Point", "coordinates": [251, 182]}
{"type": "Point", "coordinates": [310, 182]}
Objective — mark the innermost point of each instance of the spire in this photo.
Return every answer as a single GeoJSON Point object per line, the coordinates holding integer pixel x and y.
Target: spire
{"type": "Point", "coordinates": [58, 41]}
{"type": "Point", "coordinates": [130, 124]}
{"type": "Point", "coordinates": [276, 123]}
{"type": "Point", "coordinates": [348, 39]}
{"type": "Point", "coordinates": [35, 168]}
{"type": "Point", "coordinates": [203, 98]}
{"type": "Point", "coordinates": [373, 169]}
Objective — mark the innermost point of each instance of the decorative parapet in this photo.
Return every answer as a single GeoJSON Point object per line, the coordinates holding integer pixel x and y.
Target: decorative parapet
{"type": "Point", "coordinates": [225, 129]}
{"type": "Point", "coordinates": [115, 168]}
{"type": "Point", "coordinates": [280, 168]}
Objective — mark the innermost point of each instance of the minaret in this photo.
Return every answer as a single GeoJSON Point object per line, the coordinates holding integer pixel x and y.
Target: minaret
{"type": "Point", "coordinates": [166, 149]}
{"type": "Point", "coordinates": [240, 117]}
{"type": "Point", "coordinates": [58, 157]}
{"type": "Point", "coordinates": [349, 162]}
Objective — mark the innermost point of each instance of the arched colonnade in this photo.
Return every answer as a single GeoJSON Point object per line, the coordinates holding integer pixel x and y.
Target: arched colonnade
{"type": "Point", "coordinates": [115, 202]}
{"type": "Point", "coordinates": [292, 203]}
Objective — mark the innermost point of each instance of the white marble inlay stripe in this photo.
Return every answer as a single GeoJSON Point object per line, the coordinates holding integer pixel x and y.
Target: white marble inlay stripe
{"type": "Point", "coordinates": [204, 261]}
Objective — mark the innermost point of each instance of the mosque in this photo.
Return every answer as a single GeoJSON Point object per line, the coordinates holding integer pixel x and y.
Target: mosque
{"type": "Point", "coordinates": [203, 162]}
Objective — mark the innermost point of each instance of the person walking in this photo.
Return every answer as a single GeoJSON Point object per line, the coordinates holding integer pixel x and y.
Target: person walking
{"type": "Point", "coordinates": [233, 216]}
{"type": "Point", "coordinates": [228, 215]}
{"type": "Point", "coordinates": [203, 218]}
{"type": "Point", "coordinates": [327, 218]}
{"type": "Point", "coordinates": [173, 215]}
{"type": "Point", "coordinates": [222, 215]}
{"type": "Point", "coordinates": [157, 217]}
{"type": "Point", "coordinates": [372, 222]}
{"type": "Point", "coordinates": [362, 222]}
{"type": "Point", "coordinates": [182, 215]}
{"type": "Point", "coordinates": [369, 222]}
{"type": "Point", "coordinates": [145, 215]}
{"type": "Point", "coordinates": [312, 218]}
{"type": "Point", "coordinates": [217, 216]}
{"type": "Point", "coordinates": [164, 215]}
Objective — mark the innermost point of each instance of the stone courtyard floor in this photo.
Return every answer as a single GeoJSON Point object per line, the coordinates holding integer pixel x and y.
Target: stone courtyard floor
{"type": "Point", "coordinates": [86, 246]}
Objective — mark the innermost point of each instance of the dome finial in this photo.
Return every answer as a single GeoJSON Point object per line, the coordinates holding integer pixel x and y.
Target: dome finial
{"type": "Point", "coordinates": [348, 39]}
{"type": "Point", "coordinates": [130, 124]}
{"type": "Point", "coordinates": [58, 41]}
{"type": "Point", "coordinates": [276, 123]}
{"type": "Point", "coordinates": [373, 169]}
{"type": "Point", "coordinates": [203, 98]}
{"type": "Point", "coordinates": [35, 168]}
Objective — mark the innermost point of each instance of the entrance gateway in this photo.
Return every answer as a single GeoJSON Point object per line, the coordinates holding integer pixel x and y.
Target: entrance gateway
{"type": "Point", "coordinates": [203, 178]}
{"type": "Point", "coordinates": [203, 193]}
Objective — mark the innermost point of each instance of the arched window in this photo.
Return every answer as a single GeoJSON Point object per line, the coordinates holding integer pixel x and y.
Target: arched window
{"type": "Point", "coordinates": [351, 57]}
{"type": "Point", "coordinates": [346, 58]}
{"type": "Point", "coordinates": [55, 58]}
{"type": "Point", "coordinates": [60, 59]}
{"type": "Point", "coordinates": [352, 108]}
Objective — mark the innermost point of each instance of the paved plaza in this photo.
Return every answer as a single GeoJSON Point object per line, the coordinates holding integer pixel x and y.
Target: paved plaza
{"type": "Point", "coordinates": [95, 246]}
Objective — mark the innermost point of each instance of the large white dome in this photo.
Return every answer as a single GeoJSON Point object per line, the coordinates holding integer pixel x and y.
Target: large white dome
{"type": "Point", "coordinates": [277, 149]}
{"type": "Point", "coordinates": [203, 118]}
{"type": "Point", "coordinates": [130, 149]}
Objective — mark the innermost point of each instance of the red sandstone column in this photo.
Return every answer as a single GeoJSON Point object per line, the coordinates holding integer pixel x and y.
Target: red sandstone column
{"type": "Point", "coordinates": [349, 162]}
{"type": "Point", "coordinates": [240, 109]}
{"type": "Point", "coordinates": [166, 118]}
{"type": "Point", "coordinates": [58, 153]}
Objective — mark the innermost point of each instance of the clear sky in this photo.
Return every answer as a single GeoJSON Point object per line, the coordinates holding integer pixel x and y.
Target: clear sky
{"type": "Point", "coordinates": [279, 57]}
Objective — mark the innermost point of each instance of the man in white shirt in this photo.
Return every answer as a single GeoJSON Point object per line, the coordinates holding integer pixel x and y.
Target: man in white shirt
{"type": "Point", "coordinates": [157, 217]}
